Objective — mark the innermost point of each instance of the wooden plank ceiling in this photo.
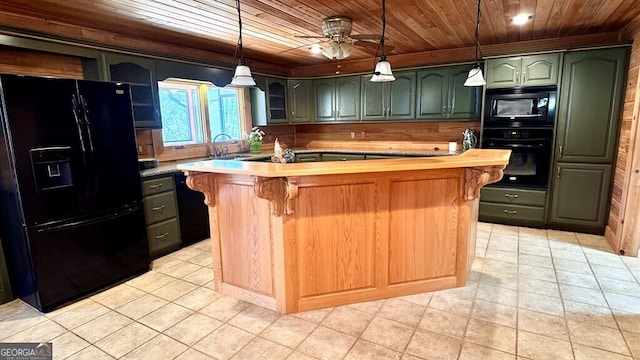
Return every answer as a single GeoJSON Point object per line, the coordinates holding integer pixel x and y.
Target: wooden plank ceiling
{"type": "Point", "coordinates": [271, 28]}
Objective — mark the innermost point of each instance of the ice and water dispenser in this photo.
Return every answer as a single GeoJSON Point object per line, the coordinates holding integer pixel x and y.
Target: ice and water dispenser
{"type": "Point", "coordinates": [52, 167]}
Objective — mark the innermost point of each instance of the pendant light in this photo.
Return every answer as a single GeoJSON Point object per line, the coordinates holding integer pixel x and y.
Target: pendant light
{"type": "Point", "coordinates": [475, 77]}
{"type": "Point", "coordinates": [382, 71]}
{"type": "Point", "coordinates": [242, 76]}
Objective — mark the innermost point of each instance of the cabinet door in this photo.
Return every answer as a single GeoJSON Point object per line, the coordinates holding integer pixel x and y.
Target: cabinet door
{"type": "Point", "coordinates": [276, 101]}
{"type": "Point", "coordinates": [580, 196]}
{"type": "Point", "coordinates": [401, 93]}
{"type": "Point", "coordinates": [373, 100]}
{"type": "Point", "coordinates": [300, 101]}
{"type": "Point", "coordinates": [464, 101]}
{"type": "Point", "coordinates": [139, 73]}
{"type": "Point", "coordinates": [347, 101]}
{"type": "Point", "coordinates": [590, 105]}
{"type": "Point", "coordinates": [540, 70]}
{"type": "Point", "coordinates": [503, 73]}
{"type": "Point", "coordinates": [433, 90]}
{"type": "Point", "coordinates": [323, 90]}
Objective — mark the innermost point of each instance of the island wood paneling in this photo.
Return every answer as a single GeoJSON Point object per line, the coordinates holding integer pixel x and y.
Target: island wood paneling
{"type": "Point", "coordinates": [423, 208]}
{"type": "Point", "coordinates": [337, 227]}
{"type": "Point", "coordinates": [246, 261]}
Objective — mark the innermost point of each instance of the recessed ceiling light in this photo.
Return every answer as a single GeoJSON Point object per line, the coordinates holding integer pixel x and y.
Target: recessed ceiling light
{"type": "Point", "coordinates": [316, 48]}
{"type": "Point", "coordinates": [521, 19]}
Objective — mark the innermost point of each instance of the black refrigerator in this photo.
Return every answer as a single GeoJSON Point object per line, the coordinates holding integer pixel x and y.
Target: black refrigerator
{"type": "Point", "coordinates": [71, 201]}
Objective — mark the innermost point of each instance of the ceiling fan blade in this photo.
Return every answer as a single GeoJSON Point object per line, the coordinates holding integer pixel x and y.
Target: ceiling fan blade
{"type": "Point", "coordinates": [366, 37]}
{"type": "Point", "coordinates": [373, 46]}
{"type": "Point", "coordinates": [310, 37]}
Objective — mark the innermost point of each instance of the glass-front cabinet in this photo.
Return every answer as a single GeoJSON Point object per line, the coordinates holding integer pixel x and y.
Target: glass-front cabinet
{"type": "Point", "coordinates": [139, 73]}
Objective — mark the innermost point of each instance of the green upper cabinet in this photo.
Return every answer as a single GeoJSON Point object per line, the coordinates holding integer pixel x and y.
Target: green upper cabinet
{"type": "Point", "coordinates": [268, 101]}
{"type": "Point", "coordinates": [393, 100]}
{"type": "Point", "coordinates": [532, 70]}
{"type": "Point", "coordinates": [590, 105]}
{"type": "Point", "coordinates": [276, 101]}
{"type": "Point", "coordinates": [300, 101]}
{"type": "Point", "coordinates": [337, 99]}
{"type": "Point", "coordinates": [139, 73]}
{"type": "Point", "coordinates": [442, 94]}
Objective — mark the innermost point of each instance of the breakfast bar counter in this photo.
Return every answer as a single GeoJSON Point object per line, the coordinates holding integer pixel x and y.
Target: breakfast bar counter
{"type": "Point", "coordinates": [302, 236]}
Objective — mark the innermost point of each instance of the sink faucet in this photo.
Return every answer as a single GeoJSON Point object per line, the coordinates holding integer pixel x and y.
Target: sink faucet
{"type": "Point", "coordinates": [215, 149]}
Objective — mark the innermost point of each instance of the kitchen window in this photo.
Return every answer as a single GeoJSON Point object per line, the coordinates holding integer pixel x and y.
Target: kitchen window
{"type": "Point", "coordinates": [193, 112]}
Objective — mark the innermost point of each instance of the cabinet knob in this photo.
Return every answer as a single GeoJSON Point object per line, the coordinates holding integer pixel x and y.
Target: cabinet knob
{"type": "Point", "coordinates": [155, 186]}
{"type": "Point", "coordinates": [511, 196]}
{"type": "Point", "coordinates": [158, 208]}
{"type": "Point", "coordinates": [162, 236]}
{"type": "Point", "coordinates": [511, 212]}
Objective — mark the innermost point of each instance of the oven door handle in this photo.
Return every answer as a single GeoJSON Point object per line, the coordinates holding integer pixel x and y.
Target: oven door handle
{"type": "Point", "coordinates": [516, 146]}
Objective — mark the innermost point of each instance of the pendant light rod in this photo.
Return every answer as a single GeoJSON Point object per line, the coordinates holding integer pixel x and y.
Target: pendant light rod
{"type": "Point", "coordinates": [477, 36]}
{"type": "Point", "coordinates": [382, 71]}
{"type": "Point", "coordinates": [240, 31]}
{"type": "Point", "coordinates": [242, 75]}
{"type": "Point", "coordinates": [384, 25]}
{"type": "Point", "coordinates": [475, 77]}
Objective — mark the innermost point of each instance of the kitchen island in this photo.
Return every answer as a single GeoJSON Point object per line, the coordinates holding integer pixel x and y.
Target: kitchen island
{"type": "Point", "coordinates": [303, 236]}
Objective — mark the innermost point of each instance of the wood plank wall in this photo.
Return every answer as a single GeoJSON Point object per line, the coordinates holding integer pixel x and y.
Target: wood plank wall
{"type": "Point", "coordinates": [623, 228]}
{"type": "Point", "coordinates": [384, 135]}
{"type": "Point", "coordinates": [624, 200]}
{"type": "Point", "coordinates": [37, 63]}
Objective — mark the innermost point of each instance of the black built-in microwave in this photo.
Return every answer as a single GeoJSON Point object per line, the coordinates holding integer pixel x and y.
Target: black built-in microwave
{"type": "Point", "coordinates": [520, 107]}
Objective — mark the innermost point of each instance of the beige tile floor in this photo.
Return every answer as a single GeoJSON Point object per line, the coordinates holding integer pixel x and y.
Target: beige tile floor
{"type": "Point", "coordinates": [532, 294]}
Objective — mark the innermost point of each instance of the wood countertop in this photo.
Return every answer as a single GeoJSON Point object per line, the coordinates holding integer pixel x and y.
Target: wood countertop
{"type": "Point", "coordinates": [470, 158]}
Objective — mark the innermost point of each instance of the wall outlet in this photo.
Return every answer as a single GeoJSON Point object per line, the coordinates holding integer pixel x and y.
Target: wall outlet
{"type": "Point", "coordinates": [363, 134]}
{"type": "Point", "coordinates": [140, 149]}
{"type": "Point", "coordinates": [353, 135]}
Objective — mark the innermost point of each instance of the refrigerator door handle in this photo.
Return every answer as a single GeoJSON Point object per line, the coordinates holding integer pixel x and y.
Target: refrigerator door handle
{"type": "Point", "coordinates": [87, 123]}
{"type": "Point", "coordinates": [83, 148]}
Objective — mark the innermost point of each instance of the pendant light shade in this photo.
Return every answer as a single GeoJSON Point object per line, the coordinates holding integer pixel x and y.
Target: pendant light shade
{"type": "Point", "coordinates": [242, 75]}
{"type": "Point", "coordinates": [475, 77]}
{"type": "Point", "coordinates": [382, 72]}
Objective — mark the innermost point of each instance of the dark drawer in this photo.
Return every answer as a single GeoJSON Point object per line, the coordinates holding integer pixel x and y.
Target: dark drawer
{"type": "Point", "coordinates": [513, 196]}
{"type": "Point", "coordinates": [157, 185]}
{"type": "Point", "coordinates": [511, 214]}
{"type": "Point", "coordinates": [159, 207]}
{"type": "Point", "coordinates": [163, 237]}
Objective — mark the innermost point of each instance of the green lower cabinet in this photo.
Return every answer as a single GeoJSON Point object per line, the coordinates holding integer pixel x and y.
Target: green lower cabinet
{"type": "Point", "coordinates": [512, 206]}
{"type": "Point", "coordinates": [580, 197]}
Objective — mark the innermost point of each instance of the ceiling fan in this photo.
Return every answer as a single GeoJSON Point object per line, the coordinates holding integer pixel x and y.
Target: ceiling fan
{"type": "Point", "coordinates": [336, 32]}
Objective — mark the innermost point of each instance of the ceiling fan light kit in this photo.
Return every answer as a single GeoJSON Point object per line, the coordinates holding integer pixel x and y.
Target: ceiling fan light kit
{"type": "Point", "coordinates": [242, 75]}
{"type": "Point", "coordinates": [475, 77]}
{"type": "Point", "coordinates": [382, 72]}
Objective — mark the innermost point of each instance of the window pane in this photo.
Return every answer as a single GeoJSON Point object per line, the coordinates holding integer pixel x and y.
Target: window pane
{"type": "Point", "coordinates": [224, 112]}
{"type": "Point", "coordinates": [174, 106]}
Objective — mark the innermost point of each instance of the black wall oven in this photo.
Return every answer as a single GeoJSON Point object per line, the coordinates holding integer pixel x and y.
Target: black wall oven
{"type": "Point", "coordinates": [530, 155]}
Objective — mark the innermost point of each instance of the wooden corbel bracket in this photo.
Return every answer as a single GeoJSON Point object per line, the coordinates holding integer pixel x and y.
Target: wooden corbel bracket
{"type": "Point", "coordinates": [279, 191]}
{"type": "Point", "coordinates": [477, 177]}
